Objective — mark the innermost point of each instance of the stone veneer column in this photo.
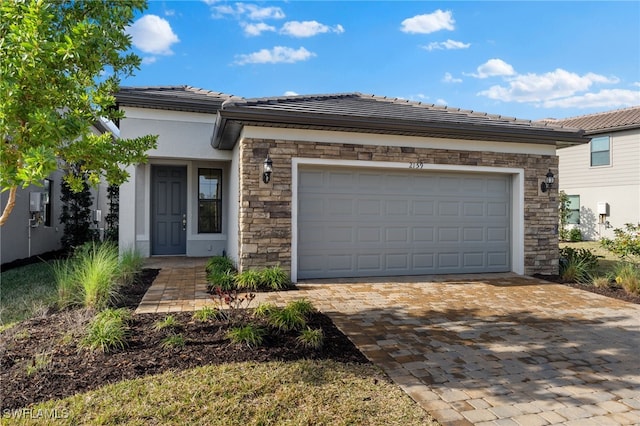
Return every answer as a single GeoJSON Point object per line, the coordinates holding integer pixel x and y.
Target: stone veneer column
{"type": "Point", "coordinates": [265, 209]}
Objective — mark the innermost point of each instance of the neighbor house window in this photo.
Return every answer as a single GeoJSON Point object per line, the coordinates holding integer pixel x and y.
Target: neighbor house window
{"type": "Point", "coordinates": [209, 201]}
{"type": "Point", "coordinates": [600, 151]}
{"type": "Point", "coordinates": [47, 197]}
{"type": "Point", "coordinates": [573, 205]}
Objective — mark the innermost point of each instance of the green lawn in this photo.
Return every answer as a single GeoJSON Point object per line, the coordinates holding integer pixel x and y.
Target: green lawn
{"type": "Point", "coordinates": [606, 263]}
{"type": "Point", "coordinates": [25, 292]}
{"type": "Point", "coordinates": [304, 392]}
{"type": "Point", "coordinates": [274, 393]}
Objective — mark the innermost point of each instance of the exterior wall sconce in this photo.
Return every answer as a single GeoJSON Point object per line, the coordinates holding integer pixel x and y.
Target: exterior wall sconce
{"type": "Point", "coordinates": [267, 169]}
{"type": "Point", "coordinates": [547, 184]}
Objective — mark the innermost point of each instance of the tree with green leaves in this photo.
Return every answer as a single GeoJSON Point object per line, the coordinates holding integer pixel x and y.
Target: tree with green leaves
{"type": "Point", "coordinates": [60, 66]}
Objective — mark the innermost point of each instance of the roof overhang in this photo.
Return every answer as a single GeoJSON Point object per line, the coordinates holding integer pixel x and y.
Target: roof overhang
{"type": "Point", "coordinates": [229, 123]}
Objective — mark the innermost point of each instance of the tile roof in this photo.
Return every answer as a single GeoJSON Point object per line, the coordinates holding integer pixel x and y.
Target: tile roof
{"type": "Point", "coordinates": [181, 98]}
{"type": "Point", "coordinates": [376, 114]}
{"type": "Point", "coordinates": [620, 119]}
{"type": "Point", "coordinates": [355, 112]}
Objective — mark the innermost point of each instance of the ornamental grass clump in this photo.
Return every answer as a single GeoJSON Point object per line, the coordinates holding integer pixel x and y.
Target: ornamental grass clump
{"type": "Point", "coordinates": [275, 278]}
{"type": "Point", "coordinates": [312, 338]}
{"type": "Point", "coordinates": [107, 331]}
{"type": "Point", "coordinates": [249, 280]}
{"type": "Point", "coordinates": [627, 275]}
{"type": "Point", "coordinates": [89, 278]}
{"type": "Point", "coordinates": [577, 265]}
{"type": "Point", "coordinates": [130, 265]}
{"type": "Point", "coordinates": [249, 334]}
{"type": "Point", "coordinates": [207, 314]}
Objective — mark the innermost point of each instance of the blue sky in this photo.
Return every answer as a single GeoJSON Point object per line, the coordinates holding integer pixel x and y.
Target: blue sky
{"type": "Point", "coordinates": [530, 60]}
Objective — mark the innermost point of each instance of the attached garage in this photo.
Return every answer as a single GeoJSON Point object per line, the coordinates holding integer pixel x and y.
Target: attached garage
{"type": "Point", "coordinates": [360, 222]}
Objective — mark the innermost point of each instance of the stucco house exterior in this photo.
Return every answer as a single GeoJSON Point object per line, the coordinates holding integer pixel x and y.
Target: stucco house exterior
{"type": "Point", "coordinates": [360, 185]}
{"type": "Point", "coordinates": [602, 178]}
{"type": "Point", "coordinates": [33, 227]}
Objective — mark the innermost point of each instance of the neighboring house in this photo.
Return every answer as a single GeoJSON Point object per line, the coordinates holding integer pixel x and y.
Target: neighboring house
{"type": "Point", "coordinates": [360, 185]}
{"type": "Point", "coordinates": [33, 227]}
{"type": "Point", "coordinates": [602, 178]}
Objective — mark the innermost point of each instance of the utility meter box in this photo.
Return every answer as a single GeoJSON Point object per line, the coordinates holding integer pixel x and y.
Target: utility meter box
{"type": "Point", "coordinates": [35, 202]}
{"type": "Point", "coordinates": [603, 208]}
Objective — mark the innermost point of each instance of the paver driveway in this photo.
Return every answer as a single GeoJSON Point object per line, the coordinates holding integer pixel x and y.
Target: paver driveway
{"type": "Point", "coordinates": [493, 349]}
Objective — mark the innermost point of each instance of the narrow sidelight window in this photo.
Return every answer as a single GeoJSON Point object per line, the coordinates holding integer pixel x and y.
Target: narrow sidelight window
{"type": "Point", "coordinates": [209, 201]}
{"type": "Point", "coordinates": [47, 200]}
{"type": "Point", "coordinates": [574, 209]}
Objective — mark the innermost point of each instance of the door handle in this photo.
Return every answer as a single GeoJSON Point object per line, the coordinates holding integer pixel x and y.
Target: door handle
{"type": "Point", "coordinates": [184, 222]}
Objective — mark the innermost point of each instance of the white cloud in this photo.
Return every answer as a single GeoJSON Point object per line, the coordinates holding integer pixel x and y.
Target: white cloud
{"type": "Point", "coordinates": [169, 12]}
{"type": "Point", "coordinates": [258, 13]}
{"type": "Point", "coordinates": [446, 45]}
{"type": "Point", "coordinates": [256, 29]}
{"type": "Point", "coordinates": [494, 68]}
{"type": "Point", "coordinates": [279, 54]}
{"type": "Point", "coordinates": [441, 102]}
{"type": "Point", "coordinates": [245, 10]}
{"type": "Point", "coordinates": [429, 23]}
{"type": "Point", "coordinates": [148, 60]}
{"type": "Point", "coordinates": [544, 87]}
{"type": "Point", "coordinates": [637, 84]}
{"type": "Point", "coordinates": [290, 93]}
{"type": "Point", "coordinates": [308, 28]}
{"type": "Point", "coordinates": [152, 34]}
{"type": "Point", "coordinates": [609, 98]}
{"type": "Point", "coordinates": [448, 78]}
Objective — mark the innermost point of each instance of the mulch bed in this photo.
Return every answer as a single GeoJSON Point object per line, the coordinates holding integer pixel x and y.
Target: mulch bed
{"type": "Point", "coordinates": [72, 370]}
{"type": "Point", "coordinates": [615, 292]}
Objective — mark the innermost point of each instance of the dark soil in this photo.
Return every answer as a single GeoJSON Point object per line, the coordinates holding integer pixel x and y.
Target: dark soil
{"type": "Point", "coordinates": [71, 369]}
{"type": "Point", "coordinates": [615, 292]}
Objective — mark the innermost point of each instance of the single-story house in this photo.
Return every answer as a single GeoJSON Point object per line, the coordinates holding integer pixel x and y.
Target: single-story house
{"type": "Point", "coordinates": [33, 227]}
{"type": "Point", "coordinates": [602, 178]}
{"type": "Point", "coordinates": [340, 185]}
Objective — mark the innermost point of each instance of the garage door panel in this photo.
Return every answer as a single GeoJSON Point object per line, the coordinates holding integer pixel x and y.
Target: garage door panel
{"type": "Point", "coordinates": [423, 208]}
{"type": "Point", "coordinates": [472, 234]}
{"type": "Point", "coordinates": [418, 222]}
{"type": "Point", "coordinates": [369, 207]}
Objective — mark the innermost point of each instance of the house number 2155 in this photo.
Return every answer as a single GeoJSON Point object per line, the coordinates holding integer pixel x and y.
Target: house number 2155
{"type": "Point", "coordinates": [417, 165]}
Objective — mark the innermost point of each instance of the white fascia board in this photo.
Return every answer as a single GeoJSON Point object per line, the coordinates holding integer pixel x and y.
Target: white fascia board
{"type": "Point", "coordinates": [162, 114]}
{"type": "Point", "coordinates": [330, 136]}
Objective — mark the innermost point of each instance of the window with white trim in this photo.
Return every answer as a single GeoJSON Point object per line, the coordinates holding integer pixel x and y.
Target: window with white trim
{"type": "Point", "coordinates": [209, 201]}
{"type": "Point", "coordinates": [573, 205]}
{"type": "Point", "coordinates": [600, 151]}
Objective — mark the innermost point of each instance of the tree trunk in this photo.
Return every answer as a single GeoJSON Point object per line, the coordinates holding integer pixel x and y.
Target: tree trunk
{"type": "Point", "coordinates": [11, 202]}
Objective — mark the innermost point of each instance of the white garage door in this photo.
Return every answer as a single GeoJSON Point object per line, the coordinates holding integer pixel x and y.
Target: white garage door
{"type": "Point", "coordinates": [381, 222]}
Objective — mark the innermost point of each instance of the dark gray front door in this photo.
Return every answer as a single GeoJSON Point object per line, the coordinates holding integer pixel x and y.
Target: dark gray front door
{"type": "Point", "coordinates": [169, 210]}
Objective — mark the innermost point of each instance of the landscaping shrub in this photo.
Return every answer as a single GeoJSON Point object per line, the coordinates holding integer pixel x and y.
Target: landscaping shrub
{"type": "Point", "coordinates": [131, 262]}
{"type": "Point", "coordinates": [220, 263]}
{"type": "Point", "coordinates": [168, 323]}
{"type": "Point", "coordinates": [173, 341]}
{"type": "Point", "coordinates": [577, 265]}
{"type": "Point", "coordinates": [69, 289]}
{"type": "Point", "coordinates": [601, 282]}
{"type": "Point", "coordinates": [275, 278]}
{"type": "Point", "coordinates": [249, 334]}
{"type": "Point", "coordinates": [575, 235]}
{"type": "Point", "coordinates": [291, 317]}
{"type": "Point", "coordinates": [311, 338]}
{"type": "Point", "coordinates": [107, 331]}
{"type": "Point", "coordinates": [627, 275]}
{"type": "Point", "coordinates": [626, 243]}
{"type": "Point", "coordinates": [207, 314]}
{"type": "Point", "coordinates": [249, 280]}
{"type": "Point", "coordinates": [96, 268]}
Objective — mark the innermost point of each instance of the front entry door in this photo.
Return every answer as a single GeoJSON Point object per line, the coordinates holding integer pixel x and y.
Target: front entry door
{"type": "Point", "coordinates": [169, 210]}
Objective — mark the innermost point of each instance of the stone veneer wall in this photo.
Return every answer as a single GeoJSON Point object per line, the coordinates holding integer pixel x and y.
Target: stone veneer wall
{"type": "Point", "coordinates": [265, 209]}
